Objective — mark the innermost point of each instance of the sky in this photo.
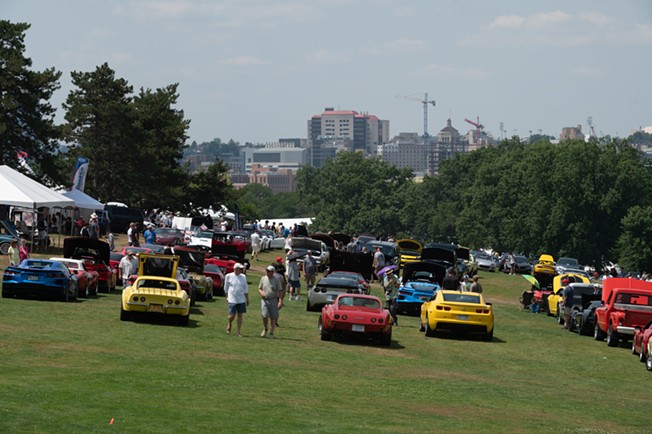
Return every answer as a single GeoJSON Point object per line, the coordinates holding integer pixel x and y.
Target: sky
{"type": "Point", "coordinates": [256, 71]}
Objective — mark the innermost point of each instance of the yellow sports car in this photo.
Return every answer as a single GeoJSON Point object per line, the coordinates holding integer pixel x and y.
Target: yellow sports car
{"type": "Point", "coordinates": [545, 265]}
{"type": "Point", "coordinates": [456, 311]}
{"type": "Point", "coordinates": [410, 251]}
{"type": "Point", "coordinates": [156, 290]}
{"type": "Point", "coordinates": [556, 298]}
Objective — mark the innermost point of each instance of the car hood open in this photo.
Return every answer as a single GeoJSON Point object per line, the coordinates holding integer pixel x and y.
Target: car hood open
{"type": "Point", "coordinates": [411, 268]}
{"type": "Point", "coordinates": [78, 247]}
{"type": "Point", "coordinates": [191, 259]}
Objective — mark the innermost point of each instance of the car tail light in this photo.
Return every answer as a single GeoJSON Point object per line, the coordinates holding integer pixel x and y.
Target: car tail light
{"type": "Point", "coordinates": [337, 316]}
{"type": "Point", "coordinates": [380, 320]}
{"type": "Point", "coordinates": [344, 317]}
{"type": "Point", "coordinates": [478, 311]}
{"type": "Point", "coordinates": [170, 301]}
{"type": "Point", "coordinates": [373, 319]}
{"type": "Point", "coordinates": [11, 273]}
{"type": "Point", "coordinates": [135, 298]}
{"type": "Point", "coordinates": [142, 299]}
{"type": "Point", "coordinates": [177, 302]}
{"type": "Point", "coordinates": [485, 311]}
{"type": "Point", "coordinates": [440, 307]}
{"type": "Point", "coordinates": [446, 308]}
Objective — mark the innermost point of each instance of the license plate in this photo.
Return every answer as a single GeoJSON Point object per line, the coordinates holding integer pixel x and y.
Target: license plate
{"type": "Point", "coordinates": [357, 328]}
{"type": "Point", "coordinates": [462, 317]}
{"type": "Point", "coordinates": [155, 308]}
{"type": "Point", "coordinates": [32, 277]}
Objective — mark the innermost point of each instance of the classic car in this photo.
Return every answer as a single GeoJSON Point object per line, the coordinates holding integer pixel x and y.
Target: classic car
{"type": "Point", "coordinates": [457, 312]}
{"type": "Point", "coordinates": [410, 250]}
{"type": "Point", "coordinates": [168, 236]}
{"type": "Point", "coordinates": [266, 238]}
{"type": "Point", "coordinates": [356, 315]}
{"type": "Point", "coordinates": [569, 265]}
{"type": "Point", "coordinates": [230, 243]}
{"type": "Point", "coordinates": [626, 304]}
{"type": "Point", "coordinates": [39, 278]}
{"type": "Point", "coordinates": [216, 273]}
{"type": "Point", "coordinates": [199, 237]}
{"type": "Point", "coordinates": [114, 264]}
{"type": "Point", "coordinates": [99, 253]}
{"type": "Point", "coordinates": [225, 262]}
{"type": "Point", "coordinates": [155, 290]}
{"type": "Point", "coordinates": [193, 261]}
{"type": "Point", "coordinates": [320, 252]}
{"type": "Point", "coordinates": [358, 262]}
{"type": "Point", "coordinates": [87, 280]}
{"type": "Point", "coordinates": [640, 341]}
{"type": "Point", "coordinates": [327, 289]}
{"type": "Point", "coordinates": [556, 299]}
{"type": "Point", "coordinates": [485, 261]}
{"type": "Point", "coordinates": [582, 321]}
{"type": "Point", "coordinates": [419, 282]}
{"type": "Point", "coordinates": [8, 233]}
{"type": "Point", "coordinates": [353, 275]}
{"type": "Point", "coordinates": [583, 294]}
{"type": "Point", "coordinates": [545, 265]}
{"type": "Point", "coordinates": [390, 250]}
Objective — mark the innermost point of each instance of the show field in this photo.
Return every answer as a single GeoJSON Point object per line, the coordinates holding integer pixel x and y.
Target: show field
{"type": "Point", "coordinates": [76, 368]}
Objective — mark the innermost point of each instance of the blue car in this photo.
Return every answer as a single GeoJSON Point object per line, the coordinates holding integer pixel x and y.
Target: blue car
{"type": "Point", "coordinates": [39, 278]}
{"type": "Point", "coordinates": [420, 281]}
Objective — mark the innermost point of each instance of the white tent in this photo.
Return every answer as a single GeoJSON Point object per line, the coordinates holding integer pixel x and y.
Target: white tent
{"type": "Point", "coordinates": [82, 200]}
{"type": "Point", "coordinates": [19, 190]}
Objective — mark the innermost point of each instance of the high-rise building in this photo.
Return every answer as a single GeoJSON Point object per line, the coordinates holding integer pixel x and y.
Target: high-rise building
{"type": "Point", "coordinates": [335, 130]}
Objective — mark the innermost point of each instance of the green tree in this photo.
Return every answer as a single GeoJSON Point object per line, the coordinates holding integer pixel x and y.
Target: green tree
{"type": "Point", "coordinates": [210, 188]}
{"type": "Point", "coordinates": [26, 115]}
{"type": "Point", "coordinates": [635, 241]}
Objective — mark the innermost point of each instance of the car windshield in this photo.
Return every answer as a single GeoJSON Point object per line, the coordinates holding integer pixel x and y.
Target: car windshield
{"type": "Point", "coordinates": [368, 303]}
{"type": "Point", "coordinates": [568, 262]}
{"type": "Point", "coordinates": [167, 231]}
{"type": "Point", "coordinates": [388, 250]}
{"type": "Point", "coordinates": [210, 268]}
{"type": "Point", "coordinates": [462, 298]}
{"type": "Point", "coordinates": [634, 299]}
{"type": "Point", "coordinates": [155, 283]}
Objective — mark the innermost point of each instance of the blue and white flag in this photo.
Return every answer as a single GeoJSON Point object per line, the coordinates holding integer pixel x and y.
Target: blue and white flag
{"type": "Point", "coordinates": [79, 174]}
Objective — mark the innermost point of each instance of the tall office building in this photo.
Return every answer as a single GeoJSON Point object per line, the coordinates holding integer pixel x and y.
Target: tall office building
{"type": "Point", "coordinates": [335, 130]}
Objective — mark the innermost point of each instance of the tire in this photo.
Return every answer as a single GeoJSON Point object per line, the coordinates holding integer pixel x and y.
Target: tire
{"type": "Point", "coordinates": [422, 328]}
{"type": "Point", "coordinates": [386, 340]}
{"type": "Point", "coordinates": [560, 318]}
{"type": "Point", "coordinates": [598, 334]}
{"type": "Point", "coordinates": [429, 332]}
{"type": "Point", "coordinates": [4, 248]}
{"type": "Point", "coordinates": [641, 355]}
{"type": "Point", "coordinates": [6, 293]}
{"type": "Point", "coordinates": [83, 294]}
{"type": "Point", "coordinates": [648, 363]}
{"type": "Point", "coordinates": [634, 348]}
{"type": "Point", "coordinates": [613, 337]}
{"type": "Point", "coordinates": [489, 336]}
{"type": "Point", "coordinates": [323, 333]}
{"type": "Point", "coordinates": [124, 315]}
{"type": "Point", "coordinates": [66, 295]}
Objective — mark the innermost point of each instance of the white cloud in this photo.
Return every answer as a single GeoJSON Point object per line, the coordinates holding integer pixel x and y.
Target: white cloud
{"type": "Point", "coordinates": [509, 21]}
{"type": "Point", "coordinates": [595, 18]}
{"type": "Point", "coordinates": [546, 19]}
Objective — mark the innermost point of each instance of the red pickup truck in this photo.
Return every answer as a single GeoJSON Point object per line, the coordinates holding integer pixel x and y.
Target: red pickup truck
{"type": "Point", "coordinates": [626, 304]}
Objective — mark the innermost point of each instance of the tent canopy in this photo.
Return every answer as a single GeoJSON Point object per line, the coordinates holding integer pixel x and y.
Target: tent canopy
{"type": "Point", "coordinates": [19, 190]}
{"type": "Point", "coordinates": [82, 200]}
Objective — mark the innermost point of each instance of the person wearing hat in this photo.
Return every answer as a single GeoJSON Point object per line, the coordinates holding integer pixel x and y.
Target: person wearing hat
{"type": "Point", "coordinates": [128, 265]}
{"type": "Point", "coordinates": [271, 294]}
{"type": "Point", "coordinates": [237, 295]}
{"type": "Point", "coordinates": [94, 227]}
{"type": "Point", "coordinates": [391, 284]}
{"type": "Point", "coordinates": [150, 234]}
{"type": "Point", "coordinates": [567, 294]}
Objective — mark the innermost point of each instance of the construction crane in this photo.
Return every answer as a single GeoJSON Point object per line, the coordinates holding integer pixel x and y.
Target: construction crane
{"type": "Point", "coordinates": [478, 129]}
{"type": "Point", "coordinates": [591, 127]}
{"type": "Point", "coordinates": [425, 101]}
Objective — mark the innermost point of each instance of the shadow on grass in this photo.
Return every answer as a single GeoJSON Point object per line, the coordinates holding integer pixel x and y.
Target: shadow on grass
{"type": "Point", "coordinates": [367, 342]}
{"type": "Point", "coordinates": [453, 336]}
{"type": "Point", "coordinates": [161, 320]}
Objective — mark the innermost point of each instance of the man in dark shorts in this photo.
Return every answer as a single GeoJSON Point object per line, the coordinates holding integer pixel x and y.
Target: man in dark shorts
{"type": "Point", "coordinates": [271, 294]}
{"type": "Point", "coordinates": [237, 295]}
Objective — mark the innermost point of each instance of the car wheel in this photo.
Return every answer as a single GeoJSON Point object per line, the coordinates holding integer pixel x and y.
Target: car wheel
{"type": "Point", "coordinates": [323, 333]}
{"type": "Point", "coordinates": [641, 355]}
{"type": "Point", "coordinates": [489, 336]}
{"type": "Point", "coordinates": [6, 293]}
{"type": "Point", "coordinates": [386, 339]}
{"type": "Point", "coordinates": [648, 363]}
{"type": "Point", "coordinates": [634, 347]}
{"type": "Point", "coordinates": [4, 248]}
{"type": "Point", "coordinates": [598, 334]}
{"type": "Point", "coordinates": [613, 336]}
{"type": "Point", "coordinates": [66, 295]}
{"type": "Point", "coordinates": [429, 332]}
{"type": "Point", "coordinates": [209, 295]}
{"type": "Point", "coordinates": [422, 328]}
{"type": "Point", "coordinates": [124, 315]}
{"type": "Point", "coordinates": [560, 318]}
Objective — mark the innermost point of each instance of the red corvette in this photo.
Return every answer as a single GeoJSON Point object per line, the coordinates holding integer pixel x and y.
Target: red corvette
{"type": "Point", "coordinates": [215, 272]}
{"type": "Point", "coordinates": [641, 338]}
{"type": "Point", "coordinates": [224, 263]}
{"type": "Point", "coordinates": [86, 279]}
{"type": "Point", "coordinates": [96, 255]}
{"type": "Point", "coordinates": [356, 315]}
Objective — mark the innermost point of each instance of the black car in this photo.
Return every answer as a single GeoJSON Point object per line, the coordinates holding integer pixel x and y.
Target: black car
{"type": "Point", "coordinates": [583, 318]}
{"type": "Point", "coordinates": [390, 249]}
{"type": "Point", "coordinates": [522, 265]}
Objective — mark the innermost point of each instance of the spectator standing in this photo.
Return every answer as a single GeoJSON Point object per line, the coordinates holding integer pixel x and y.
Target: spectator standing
{"type": "Point", "coordinates": [150, 234]}
{"type": "Point", "coordinates": [280, 274]}
{"type": "Point", "coordinates": [237, 296]}
{"type": "Point", "coordinates": [309, 270]}
{"type": "Point", "coordinates": [111, 240]}
{"type": "Point", "coordinates": [130, 235]}
{"type": "Point", "coordinates": [465, 285]}
{"type": "Point", "coordinates": [14, 253]}
{"type": "Point", "coordinates": [451, 282]}
{"type": "Point", "coordinates": [379, 261]}
{"type": "Point", "coordinates": [294, 279]}
{"type": "Point", "coordinates": [94, 227]}
{"type": "Point", "coordinates": [288, 244]}
{"type": "Point", "coordinates": [255, 245]}
{"type": "Point", "coordinates": [23, 251]}
{"type": "Point", "coordinates": [85, 231]}
{"type": "Point", "coordinates": [128, 266]}
{"type": "Point", "coordinates": [475, 286]}
{"type": "Point", "coordinates": [567, 294]}
{"type": "Point", "coordinates": [271, 293]}
{"type": "Point", "coordinates": [512, 264]}
{"type": "Point", "coordinates": [135, 235]}
{"type": "Point", "coordinates": [391, 284]}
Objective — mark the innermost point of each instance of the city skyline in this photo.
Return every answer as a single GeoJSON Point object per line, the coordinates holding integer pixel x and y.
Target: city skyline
{"type": "Point", "coordinates": [255, 71]}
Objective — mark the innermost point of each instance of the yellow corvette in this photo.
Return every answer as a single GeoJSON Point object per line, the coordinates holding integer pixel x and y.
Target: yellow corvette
{"type": "Point", "coordinates": [455, 311]}
{"type": "Point", "coordinates": [155, 290]}
{"type": "Point", "coordinates": [545, 265]}
{"type": "Point", "coordinates": [555, 299]}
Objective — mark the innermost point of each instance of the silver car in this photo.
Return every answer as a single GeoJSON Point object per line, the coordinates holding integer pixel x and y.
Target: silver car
{"type": "Point", "coordinates": [327, 289]}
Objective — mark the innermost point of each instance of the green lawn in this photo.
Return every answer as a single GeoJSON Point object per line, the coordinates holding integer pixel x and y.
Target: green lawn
{"type": "Point", "coordinates": [75, 367]}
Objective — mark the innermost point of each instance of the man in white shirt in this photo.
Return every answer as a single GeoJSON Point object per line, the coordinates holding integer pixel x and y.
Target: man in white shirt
{"type": "Point", "coordinates": [237, 295]}
{"type": "Point", "coordinates": [255, 245]}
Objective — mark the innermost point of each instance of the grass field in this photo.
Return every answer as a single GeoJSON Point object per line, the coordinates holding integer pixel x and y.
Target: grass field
{"type": "Point", "coordinates": [75, 367]}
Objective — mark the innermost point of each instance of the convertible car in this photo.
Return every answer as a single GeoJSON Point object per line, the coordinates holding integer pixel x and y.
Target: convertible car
{"type": "Point", "coordinates": [39, 278]}
{"type": "Point", "coordinates": [87, 279]}
{"type": "Point", "coordinates": [457, 312]}
{"type": "Point", "coordinates": [419, 282]}
{"type": "Point", "coordinates": [328, 289]}
{"type": "Point", "coordinates": [356, 315]}
{"type": "Point", "coordinates": [99, 254]}
{"type": "Point", "coordinates": [156, 291]}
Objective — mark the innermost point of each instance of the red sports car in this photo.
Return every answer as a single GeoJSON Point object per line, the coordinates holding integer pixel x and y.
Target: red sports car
{"type": "Point", "coordinates": [222, 262]}
{"type": "Point", "coordinates": [96, 256]}
{"type": "Point", "coordinates": [215, 272]}
{"type": "Point", "coordinates": [356, 315]}
{"type": "Point", "coordinates": [86, 279]}
{"type": "Point", "coordinates": [641, 338]}
{"type": "Point", "coordinates": [168, 236]}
